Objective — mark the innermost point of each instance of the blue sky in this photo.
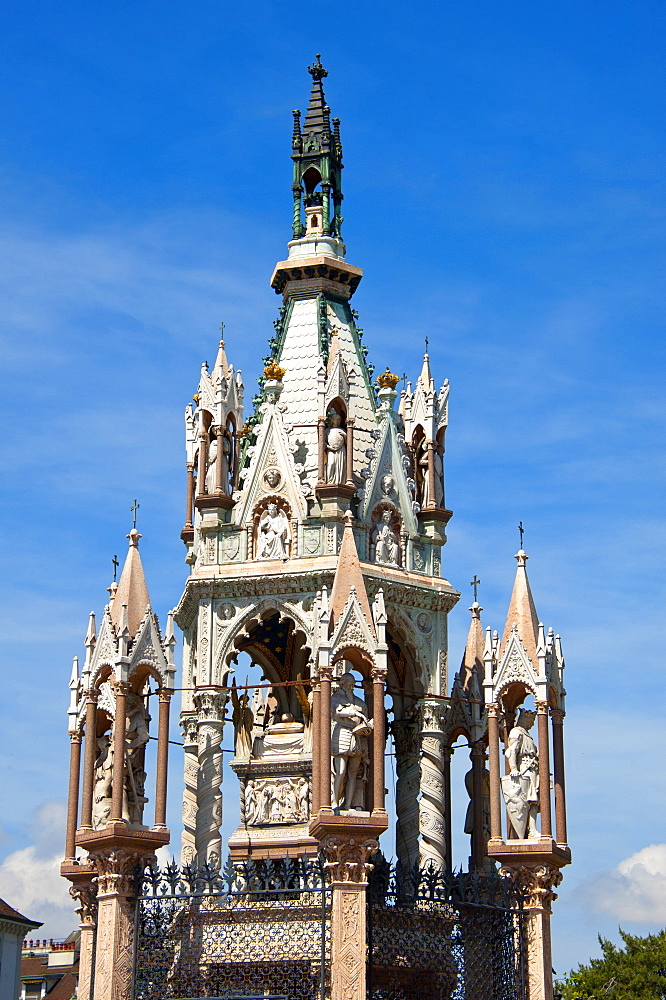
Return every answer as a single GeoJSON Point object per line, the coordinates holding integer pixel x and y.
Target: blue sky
{"type": "Point", "coordinates": [504, 194]}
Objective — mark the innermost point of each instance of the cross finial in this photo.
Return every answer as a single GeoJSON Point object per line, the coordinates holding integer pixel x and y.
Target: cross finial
{"type": "Point", "coordinates": [134, 509]}
{"type": "Point", "coordinates": [222, 330]}
{"type": "Point", "coordinates": [426, 343]}
{"type": "Point", "coordinates": [522, 532]}
{"type": "Point", "coordinates": [475, 583]}
{"type": "Point", "coordinates": [115, 564]}
{"type": "Point", "coordinates": [404, 381]}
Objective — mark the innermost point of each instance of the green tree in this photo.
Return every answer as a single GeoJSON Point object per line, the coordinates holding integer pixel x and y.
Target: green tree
{"type": "Point", "coordinates": [635, 972]}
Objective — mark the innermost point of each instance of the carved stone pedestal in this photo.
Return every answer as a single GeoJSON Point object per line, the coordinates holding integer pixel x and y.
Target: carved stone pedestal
{"type": "Point", "coordinates": [347, 862]}
{"type": "Point", "coordinates": [114, 855]}
{"type": "Point", "coordinates": [535, 865]}
{"type": "Point", "coordinates": [83, 890]}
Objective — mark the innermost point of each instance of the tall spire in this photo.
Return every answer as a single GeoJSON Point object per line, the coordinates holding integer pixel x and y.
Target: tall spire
{"type": "Point", "coordinates": [347, 575]}
{"type": "Point", "coordinates": [132, 590]}
{"type": "Point", "coordinates": [522, 611]}
{"type": "Point", "coordinates": [472, 661]}
{"type": "Point", "coordinates": [317, 156]}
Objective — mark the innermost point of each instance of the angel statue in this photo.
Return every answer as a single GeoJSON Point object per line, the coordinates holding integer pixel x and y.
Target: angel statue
{"type": "Point", "coordinates": [243, 722]}
{"type": "Point", "coordinates": [274, 534]}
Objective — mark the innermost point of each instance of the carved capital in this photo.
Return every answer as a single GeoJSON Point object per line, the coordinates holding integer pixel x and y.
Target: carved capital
{"type": "Point", "coordinates": [379, 674]}
{"type": "Point", "coordinates": [121, 687]}
{"type": "Point", "coordinates": [538, 881]}
{"type": "Point", "coordinates": [86, 896]}
{"type": "Point", "coordinates": [75, 736]}
{"type": "Point", "coordinates": [557, 715]}
{"type": "Point", "coordinates": [326, 672]}
{"type": "Point", "coordinates": [165, 696]}
{"type": "Point", "coordinates": [541, 707]}
{"type": "Point", "coordinates": [478, 751]}
{"type": "Point", "coordinates": [405, 736]}
{"type": "Point", "coordinates": [347, 857]}
{"type": "Point", "coordinates": [210, 706]}
{"type": "Point", "coordinates": [493, 710]}
{"type": "Point", "coordinates": [432, 716]}
{"type": "Point", "coordinates": [116, 869]}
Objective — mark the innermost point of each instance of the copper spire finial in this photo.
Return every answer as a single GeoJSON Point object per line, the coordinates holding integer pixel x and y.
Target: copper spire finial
{"type": "Point", "coordinates": [317, 71]}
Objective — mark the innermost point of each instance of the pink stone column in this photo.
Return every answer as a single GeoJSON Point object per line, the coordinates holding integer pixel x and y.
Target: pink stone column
{"type": "Point", "coordinates": [119, 731]}
{"type": "Point", "coordinates": [378, 738]}
{"type": "Point", "coordinates": [162, 759]}
{"type": "Point", "coordinates": [494, 767]}
{"type": "Point", "coordinates": [73, 796]}
{"type": "Point", "coordinates": [557, 715]}
{"type": "Point", "coordinates": [89, 758]}
{"type": "Point", "coordinates": [544, 769]}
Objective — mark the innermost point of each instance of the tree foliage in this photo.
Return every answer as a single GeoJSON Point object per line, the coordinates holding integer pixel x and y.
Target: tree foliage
{"type": "Point", "coordinates": [636, 971]}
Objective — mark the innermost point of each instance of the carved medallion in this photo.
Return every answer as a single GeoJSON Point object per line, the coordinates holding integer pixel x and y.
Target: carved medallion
{"type": "Point", "coordinates": [272, 479]}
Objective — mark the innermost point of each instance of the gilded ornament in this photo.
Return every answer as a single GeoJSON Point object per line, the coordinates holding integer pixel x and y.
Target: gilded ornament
{"type": "Point", "coordinates": [388, 380]}
{"type": "Point", "coordinates": [274, 372]}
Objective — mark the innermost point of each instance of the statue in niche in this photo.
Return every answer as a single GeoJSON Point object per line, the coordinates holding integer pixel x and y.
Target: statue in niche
{"type": "Point", "coordinates": [350, 727]}
{"type": "Point", "coordinates": [243, 723]}
{"type": "Point", "coordinates": [303, 799]}
{"type": "Point", "coordinates": [101, 809]}
{"type": "Point", "coordinates": [521, 786]}
{"type": "Point", "coordinates": [426, 498]}
{"type": "Point", "coordinates": [485, 803]}
{"type": "Point", "coordinates": [211, 469]}
{"type": "Point", "coordinates": [386, 542]}
{"type": "Point", "coordinates": [136, 738]}
{"type": "Point", "coordinates": [336, 441]}
{"type": "Point", "coordinates": [274, 534]}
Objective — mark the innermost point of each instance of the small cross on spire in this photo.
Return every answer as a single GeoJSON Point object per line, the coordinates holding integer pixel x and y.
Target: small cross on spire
{"type": "Point", "coordinates": [134, 509]}
{"type": "Point", "coordinates": [222, 330]}
{"type": "Point", "coordinates": [404, 381]}
{"type": "Point", "coordinates": [522, 532]}
{"type": "Point", "coordinates": [115, 564]}
{"type": "Point", "coordinates": [475, 583]}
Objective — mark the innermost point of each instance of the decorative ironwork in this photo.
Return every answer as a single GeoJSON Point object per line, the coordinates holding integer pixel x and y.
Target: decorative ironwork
{"type": "Point", "coordinates": [262, 929]}
{"type": "Point", "coordinates": [442, 935]}
{"type": "Point", "coordinates": [256, 928]}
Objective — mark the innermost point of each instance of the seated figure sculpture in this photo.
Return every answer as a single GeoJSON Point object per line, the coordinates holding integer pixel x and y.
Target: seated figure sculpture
{"type": "Point", "coordinates": [350, 727]}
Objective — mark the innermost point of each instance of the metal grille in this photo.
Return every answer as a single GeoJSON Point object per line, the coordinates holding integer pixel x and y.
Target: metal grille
{"type": "Point", "coordinates": [254, 929]}
{"type": "Point", "coordinates": [436, 935]}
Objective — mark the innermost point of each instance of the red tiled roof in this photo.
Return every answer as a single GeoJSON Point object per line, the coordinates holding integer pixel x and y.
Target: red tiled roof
{"type": "Point", "coordinates": [9, 913]}
{"type": "Point", "coordinates": [35, 967]}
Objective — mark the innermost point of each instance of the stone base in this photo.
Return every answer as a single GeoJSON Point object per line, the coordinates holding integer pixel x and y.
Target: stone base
{"type": "Point", "coordinates": [119, 836]}
{"type": "Point", "coordinates": [542, 851]}
{"type": "Point", "coordinates": [353, 823]}
{"type": "Point", "coordinates": [260, 842]}
{"type": "Point", "coordinates": [212, 500]}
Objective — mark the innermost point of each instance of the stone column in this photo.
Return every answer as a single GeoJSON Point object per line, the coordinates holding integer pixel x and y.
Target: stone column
{"type": "Point", "coordinates": [219, 466]}
{"type": "Point", "coordinates": [431, 474]}
{"type": "Point", "coordinates": [378, 738]}
{"type": "Point", "coordinates": [73, 796]}
{"type": "Point", "coordinates": [115, 921]}
{"type": "Point", "coordinates": [544, 769]}
{"type": "Point", "coordinates": [203, 461]}
{"type": "Point", "coordinates": [190, 495]}
{"type": "Point", "coordinates": [478, 757]}
{"type": "Point", "coordinates": [120, 689]}
{"type": "Point", "coordinates": [84, 894]}
{"type": "Point", "coordinates": [210, 723]}
{"type": "Point", "coordinates": [350, 453]}
{"type": "Point", "coordinates": [539, 881]}
{"type": "Point", "coordinates": [408, 770]}
{"type": "Point", "coordinates": [325, 678]}
{"type": "Point", "coordinates": [316, 768]}
{"type": "Point", "coordinates": [557, 715]}
{"type": "Point", "coordinates": [162, 759]}
{"type": "Point", "coordinates": [89, 757]}
{"type": "Point", "coordinates": [321, 451]}
{"type": "Point", "coordinates": [348, 868]}
{"type": "Point", "coordinates": [447, 753]}
{"type": "Point", "coordinates": [432, 805]}
{"type": "Point", "coordinates": [191, 779]}
{"type": "Point", "coordinates": [494, 768]}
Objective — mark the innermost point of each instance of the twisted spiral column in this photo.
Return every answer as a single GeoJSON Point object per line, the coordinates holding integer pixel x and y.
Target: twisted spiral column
{"type": "Point", "coordinates": [432, 804]}
{"type": "Point", "coordinates": [210, 723]}
{"type": "Point", "coordinates": [408, 768]}
{"type": "Point", "coordinates": [191, 780]}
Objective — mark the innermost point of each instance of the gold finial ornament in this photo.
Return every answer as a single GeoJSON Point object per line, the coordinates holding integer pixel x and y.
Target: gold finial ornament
{"type": "Point", "coordinates": [274, 372]}
{"type": "Point", "coordinates": [388, 380]}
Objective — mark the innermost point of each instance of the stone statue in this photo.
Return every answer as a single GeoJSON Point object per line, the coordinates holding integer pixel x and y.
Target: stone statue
{"type": "Point", "coordinates": [386, 542]}
{"type": "Point", "coordinates": [521, 786]}
{"type": "Point", "coordinates": [350, 728]}
{"type": "Point", "coordinates": [336, 440]}
{"type": "Point", "coordinates": [303, 800]}
{"type": "Point", "coordinates": [243, 722]}
{"type": "Point", "coordinates": [426, 498]}
{"type": "Point", "coordinates": [485, 803]}
{"type": "Point", "coordinates": [274, 534]}
{"type": "Point", "coordinates": [101, 809]}
{"type": "Point", "coordinates": [136, 725]}
{"type": "Point", "coordinates": [211, 468]}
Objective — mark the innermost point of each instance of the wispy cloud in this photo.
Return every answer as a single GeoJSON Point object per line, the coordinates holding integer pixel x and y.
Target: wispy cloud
{"type": "Point", "coordinates": [635, 889]}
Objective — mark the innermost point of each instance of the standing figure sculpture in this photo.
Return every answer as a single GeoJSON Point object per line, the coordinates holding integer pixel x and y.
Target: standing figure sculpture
{"type": "Point", "coordinates": [243, 723]}
{"type": "Point", "coordinates": [386, 542]}
{"type": "Point", "coordinates": [211, 467]}
{"type": "Point", "coordinates": [101, 809]}
{"type": "Point", "coordinates": [274, 535]}
{"type": "Point", "coordinates": [521, 786]}
{"type": "Point", "coordinates": [350, 727]}
{"type": "Point", "coordinates": [336, 440]}
{"type": "Point", "coordinates": [426, 495]}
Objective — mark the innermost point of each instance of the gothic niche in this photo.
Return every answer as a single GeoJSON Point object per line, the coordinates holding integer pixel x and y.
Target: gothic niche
{"type": "Point", "coordinates": [134, 775]}
{"type": "Point", "coordinates": [273, 737]}
{"type": "Point", "coordinates": [221, 459]}
{"type": "Point", "coordinates": [420, 450]}
{"type": "Point", "coordinates": [335, 444]}
{"type": "Point", "coordinates": [272, 529]}
{"type": "Point", "coordinates": [385, 535]}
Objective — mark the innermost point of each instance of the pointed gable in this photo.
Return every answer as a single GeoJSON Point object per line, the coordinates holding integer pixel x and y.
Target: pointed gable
{"type": "Point", "coordinates": [522, 613]}
{"type": "Point", "coordinates": [132, 590]}
{"type": "Point", "coordinates": [348, 575]}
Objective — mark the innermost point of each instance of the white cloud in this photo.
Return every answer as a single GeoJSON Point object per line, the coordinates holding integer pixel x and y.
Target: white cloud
{"type": "Point", "coordinates": [636, 889]}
